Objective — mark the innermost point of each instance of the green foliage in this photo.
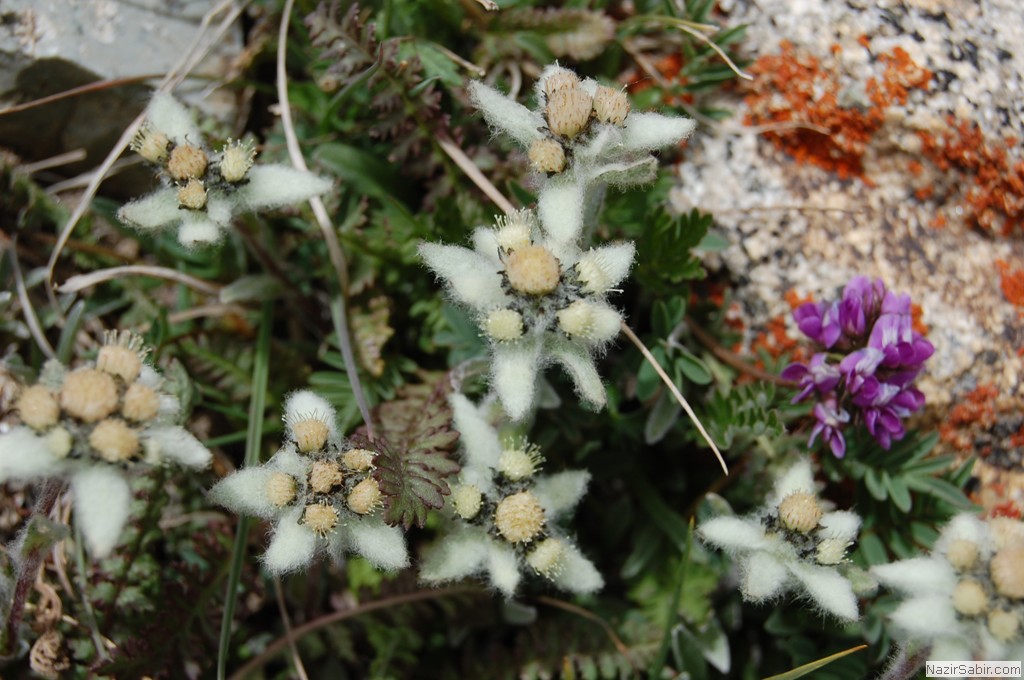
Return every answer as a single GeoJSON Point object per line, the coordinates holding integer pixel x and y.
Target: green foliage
{"type": "Point", "coordinates": [414, 436]}
{"type": "Point", "coordinates": [745, 412]}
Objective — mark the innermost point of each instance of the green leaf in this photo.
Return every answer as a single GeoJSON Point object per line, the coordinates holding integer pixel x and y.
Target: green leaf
{"type": "Point", "coordinates": [872, 548]}
{"type": "Point", "coordinates": [875, 485]}
{"type": "Point", "coordinates": [692, 366]}
{"type": "Point", "coordinates": [898, 491]}
{"type": "Point", "coordinates": [364, 172]}
{"type": "Point", "coordinates": [255, 287]}
{"type": "Point", "coordinates": [662, 417]}
{"type": "Point", "coordinates": [940, 489]}
{"type": "Point", "coordinates": [809, 668]}
{"type": "Point", "coordinates": [413, 438]}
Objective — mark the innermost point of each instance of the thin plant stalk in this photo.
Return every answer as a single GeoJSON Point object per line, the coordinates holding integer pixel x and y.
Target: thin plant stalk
{"type": "Point", "coordinates": [677, 595]}
{"type": "Point", "coordinates": [253, 442]}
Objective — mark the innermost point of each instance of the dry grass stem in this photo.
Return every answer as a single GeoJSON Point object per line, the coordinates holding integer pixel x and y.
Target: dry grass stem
{"type": "Point", "coordinates": [83, 281]}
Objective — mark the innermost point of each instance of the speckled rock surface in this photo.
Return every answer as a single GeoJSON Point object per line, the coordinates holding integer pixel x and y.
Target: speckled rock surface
{"type": "Point", "coordinates": [908, 168]}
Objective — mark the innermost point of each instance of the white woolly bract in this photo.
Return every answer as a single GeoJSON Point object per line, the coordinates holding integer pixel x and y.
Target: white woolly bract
{"type": "Point", "coordinates": [799, 478]}
{"type": "Point", "coordinates": [652, 131]}
{"type": "Point", "coordinates": [506, 115]}
{"type": "Point", "coordinates": [764, 577]}
{"type": "Point", "coordinates": [627, 174]}
{"type": "Point", "coordinates": [473, 279]}
{"type": "Point", "coordinates": [25, 456]}
{"type": "Point", "coordinates": [928, 618]}
{"type": "Point", "coordinates": [274, 186]}
{"type": "Point", "coordinates": [197, 229]}
{"type": "Point", "coordinates": [607, 322]}
{"type": "Point", "coordinates": [502, 568]}
{"type": "Point", "coordinates": [158, 209]}
{"type": "Point", "coordinates": [560, 492]}
{"type": "Point", "coordinates": [460, 554]}
{"type": "Point", "coordinates": [292, 546]}
{"type": "Point", "coordinates": [828, 589]}
{"type": "Point", "coordinates": [560, 208]}
{"type": "Point", "coordinates": [840, 524]}
{"type": "Point", "coordinates": [576, 573]}
{"type": "Point", "coordinates": [169, 116]}
{"type": "Point", "coordinates": [479, 440]}
{"type": "Point", "coordinates": [245, 492]}
{"type": "Point", "coordinates": [606, 266]}
{"type": "Point", "coordinates": [917, 575]}
{"type": "Point", "coordinates": [102, 503]}
{"type": "Point", "coordinates": [177, 444]}
{"type": "Point", "coordinates": [486, 243]}
{"type": "Point", "coordinates": [950, 650]}
{"type": "Point", "coordinates": [306, 404]}
{"type": "Point", "coordinates": [514, 367]}
{"type": "Point", "coordinates": [382, 545]}
{"type": "Point", "coordinates": [734, 535]}
{"type": "Point", "coordinates": [579, 364]}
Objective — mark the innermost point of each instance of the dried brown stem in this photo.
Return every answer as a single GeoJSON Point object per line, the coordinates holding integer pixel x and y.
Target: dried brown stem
{"type": "Point", "coordinates": [731, 358]}
{"type": "Point", "coordinates": [591, 616]}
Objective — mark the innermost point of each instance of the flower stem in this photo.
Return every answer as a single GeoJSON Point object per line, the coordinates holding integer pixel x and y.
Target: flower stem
{"type": "Point", "coordinates": [28, 567]}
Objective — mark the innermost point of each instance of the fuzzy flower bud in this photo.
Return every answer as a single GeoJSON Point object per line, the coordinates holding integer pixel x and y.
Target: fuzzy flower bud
{"type": "Point", "coordinates": [192, 195]}
{"type": "Point", "coordinates": [800, 512]}
{"type": "Point", "coordinates": [1004, 625]}
{"type": "Point", "coordinates": [519, 517]}
{"type": "Point", "coordinates": [324, 476]}
{"type": "Point", "coordinates": [187, 162]}
{"type": "Point", "coordinates": [321, 518]}
{"type": "Point", "coordinates": [150, 144]}
{"type": "Point", "coordinates": [611, 105]}
{"type": "Point", "coordinates": [592, 274]}
{"type": "Point", "coordinates": [969, 598]}
{"type": "Point", "coordinates": [515, 230]}
{"type": "Point", "coordinates": [358, 459]}
{"type": "Point", "coordinates": [364, 496]}
{"type": "Point", "coordinates": [236, 160]}
{"type": "Point", "coordinates": [504, 325]}
{"type": "Point", "coordinates": [281, 489]}
{"type": "Point", "coordinates": [310, 434]}
{"type": "Point", "coordinates": [38, 408]}
{"type": "Point", "coordinates": [561, 80]}
{"type": "Point", "coordinates": [59, 441]}
{"type": "Point", "coordinates": [519, 464]}
{"type": "Point", "coordinates": [141, 403]}
{"type": "Point", "coordinates": [532, 270]}
{"type": "Point", "coordinates": [120, 360]}
{"type": "Point", "coordinates": [583, 320]}
{"type": "Point", "coordinates": [547, 155]}
{"type": "Point", "coordinates": [962, 554]}
{"type": "Point", "coordinates": [89, 395]}
{"type": "Point", "coordinates": [1007, 573]}
{"type": "Point", "coordinates": [568, 111]}
{"type": "Point", "coordinates": [546, 558]}
{"type": "Point", "coordinates": [114, 441]}
{"type": "Point", "coordinates": [466, 501]}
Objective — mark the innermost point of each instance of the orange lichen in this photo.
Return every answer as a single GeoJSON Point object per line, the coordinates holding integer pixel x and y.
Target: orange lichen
{"type": "Point", "coordinates": [794, 300]}
{"type": "Point", "coordinates": [975, 411]}
{"type": "Point", "coordinates": [795, 86]}
{"type": "Point", "coordinates": [1011, 281]}
{"type": "Point", "coordinates": [1006, 509]}
{"type": "Point", "coordinates": [917, 319]}
{"type": "Point", "coordinates": [995, 200]}
{"type": "Point", "coordinates": [775, 339]}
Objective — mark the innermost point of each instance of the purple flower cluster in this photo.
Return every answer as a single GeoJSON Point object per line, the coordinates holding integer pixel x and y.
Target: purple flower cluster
{"type": "Point", "coordinates": [872, 357]}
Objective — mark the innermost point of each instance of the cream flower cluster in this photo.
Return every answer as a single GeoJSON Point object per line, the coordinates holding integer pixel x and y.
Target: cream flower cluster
{"type": "Point", "coordinates": [505, 515]}
{"type": "Point", "coordinates": [583, 135]}
{"type": "Point", "coordinates": [203, 190]}
{"type": "Point", "coordinates": [966, 599]}
{"type": "Point", "coordinates": [536, 300]}
{"type": "Point", "coordinates": [792, 543]}
{"type": "Point", "coordinates": [93, 425]}
{"type": "Point", "coordinates": [319, 493]}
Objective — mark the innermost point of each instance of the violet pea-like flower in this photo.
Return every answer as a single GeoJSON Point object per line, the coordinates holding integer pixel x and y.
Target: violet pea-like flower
{"type": "Point", "coordinates": [818, 375]}
{"type": "Point", "coordinates": [819, 321]}
{"type": "Point", "coordinates": [831, 418]}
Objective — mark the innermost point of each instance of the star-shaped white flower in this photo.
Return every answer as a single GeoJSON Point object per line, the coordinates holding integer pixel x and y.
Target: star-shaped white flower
{"type": "Point", "coordinates": [204, 191]}
{"type": "Point", "coordinates": [603, 142]}
{"type": "Point", "coordinates": [537, 300]}
{"type": "Point", "coordinates": [791, 544]}
{"type": "Point", "coordinates": [317, 492]}
{"type": "Point", "coordinates": [505, 517]}
{"type": "Point", "coordinates": [94, 426]}
{"type": "Point", "coordinates": [966, 599]}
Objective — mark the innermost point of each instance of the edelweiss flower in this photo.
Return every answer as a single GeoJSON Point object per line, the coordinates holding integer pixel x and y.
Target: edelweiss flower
{"type": "Point", "coordinates": [204, 190]}
{"type": "Point", "coordinates": [966, 599]}
{"type": "Point", "coordinates": [583, 134]}
{"type": "Point", "coordinates": [93, 426]}
{"type": "Point", "coordinates": [505, 516]}
{"type": "Point", "coordinates": [318, 492]}
{"type": "Point", "coordinates": [791, 543]}
{"type": "Point", "coordinates": [536, 299]}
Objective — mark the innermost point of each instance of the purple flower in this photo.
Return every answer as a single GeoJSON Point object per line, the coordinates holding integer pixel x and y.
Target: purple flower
{"type": "Point", "coordinates": [831, 419]}
{"type": "Point", "coordinates": [819, 321]}
{"type": "Point", "coordinates": [870, 333]}
{"type": "Point", "coordinates": [817, 375]}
